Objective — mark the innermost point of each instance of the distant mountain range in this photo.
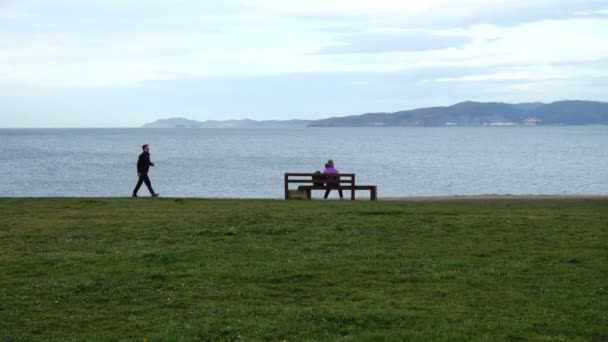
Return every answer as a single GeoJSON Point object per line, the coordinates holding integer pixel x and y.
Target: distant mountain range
{"type": "Point", "coordinates": [569, 113]}
{"type": "Point", "coordinates": [245, 123]}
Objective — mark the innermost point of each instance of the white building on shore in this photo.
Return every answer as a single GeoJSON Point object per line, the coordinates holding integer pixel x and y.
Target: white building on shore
{"type": "Point", "coordinates": [531, 121]}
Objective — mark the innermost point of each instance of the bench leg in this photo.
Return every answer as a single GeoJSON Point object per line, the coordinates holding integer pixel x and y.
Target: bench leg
{"type": "Point", "coordinates": [352, 194]}
{"type": "Point", "coordinates": [308, 194]}
{"type": "Point", "coordinates": [373, 194]}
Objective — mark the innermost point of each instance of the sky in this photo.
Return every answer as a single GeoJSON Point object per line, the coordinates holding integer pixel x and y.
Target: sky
{"type": "Point", "coordinates": [122, 63]}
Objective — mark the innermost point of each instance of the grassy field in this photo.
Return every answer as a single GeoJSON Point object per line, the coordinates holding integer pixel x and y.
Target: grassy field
{"type": "Point", "coordinates": [185, 269]}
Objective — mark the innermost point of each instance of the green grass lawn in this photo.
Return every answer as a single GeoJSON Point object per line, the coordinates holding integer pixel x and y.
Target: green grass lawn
{"type": "Point", "coordinates": [185, 269]}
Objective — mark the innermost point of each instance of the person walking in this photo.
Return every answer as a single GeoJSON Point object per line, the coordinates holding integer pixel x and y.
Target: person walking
{"type": "Point", "coordinates": [332, 178]}
{"type": "Point", "coordinates": [143, 165]}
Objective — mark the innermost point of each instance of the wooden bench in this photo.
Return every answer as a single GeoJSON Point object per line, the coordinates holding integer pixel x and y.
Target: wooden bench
{"type": "Point", "coordinates": [309, 182]}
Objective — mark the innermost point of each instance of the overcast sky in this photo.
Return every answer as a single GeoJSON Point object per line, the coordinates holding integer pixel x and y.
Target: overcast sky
{"type": "Point", "coordinates": [120, 63]}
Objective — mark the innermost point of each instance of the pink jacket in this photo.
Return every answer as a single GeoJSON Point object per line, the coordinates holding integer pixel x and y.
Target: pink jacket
{"type": "Point", "coordinates": [331, 174]}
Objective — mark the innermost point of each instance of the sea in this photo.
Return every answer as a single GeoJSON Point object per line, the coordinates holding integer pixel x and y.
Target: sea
{"type": "Point", "coordinates": [250, 163]}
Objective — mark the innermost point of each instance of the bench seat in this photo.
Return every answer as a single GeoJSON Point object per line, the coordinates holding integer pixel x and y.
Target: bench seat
{"type": "Point", "coordinates": [373, 190]}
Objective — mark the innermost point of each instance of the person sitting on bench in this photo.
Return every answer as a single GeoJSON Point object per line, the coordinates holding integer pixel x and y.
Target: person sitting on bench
{"type": "Point", "coordinates": [332, 178]}
{"type": "Point", "coordinates": [318, 179]}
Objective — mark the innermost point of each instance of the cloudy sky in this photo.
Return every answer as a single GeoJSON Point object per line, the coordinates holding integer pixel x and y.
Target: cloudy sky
{"type": "Point", "coordinates": [120, 63]}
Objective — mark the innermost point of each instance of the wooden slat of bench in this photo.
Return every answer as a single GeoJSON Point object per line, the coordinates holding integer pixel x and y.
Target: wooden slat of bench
{"type": "Point", "coordinates": [338, 187]}
{"type": "Point", "coordinates": [313, 174]}
{"type": "Point", "coordinates": [333, 187]}
{"type": "Point", "coordinates": [373, 190]}
{"type": "Point", "coordinates": [296, 181]}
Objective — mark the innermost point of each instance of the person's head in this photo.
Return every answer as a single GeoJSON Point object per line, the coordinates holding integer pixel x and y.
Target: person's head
{"type": "Point", "coordinates": [330, 162]}
{"type": "Point", "coordinates": [146, 148]}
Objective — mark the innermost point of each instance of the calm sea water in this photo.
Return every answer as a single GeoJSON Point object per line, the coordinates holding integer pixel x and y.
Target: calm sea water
{"type": "Point", "coordinates": [251, 162]}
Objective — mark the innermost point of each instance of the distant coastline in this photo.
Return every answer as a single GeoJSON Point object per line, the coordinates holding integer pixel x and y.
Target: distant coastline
{"type": "Point", "coordinates": [468, 114]}
{"type": "Point", "coordinates": [245, 123]}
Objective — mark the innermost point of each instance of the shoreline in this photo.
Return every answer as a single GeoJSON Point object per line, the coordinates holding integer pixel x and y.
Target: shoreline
{"type": "Point", "coordinates": [392, 198]}
{"type": "Point", "coordinates": [495, 197]}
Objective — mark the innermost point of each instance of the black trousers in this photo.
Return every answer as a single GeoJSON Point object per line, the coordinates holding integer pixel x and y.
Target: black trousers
{"type": "Point", "coordinates": [143, 179]}
{"type": "Point", "coordinates": [328, 191]}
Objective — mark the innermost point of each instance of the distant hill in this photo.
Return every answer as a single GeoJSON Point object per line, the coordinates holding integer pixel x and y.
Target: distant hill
{"type": "Point", "coordinates": [245, 123]}
{"type": "Point", "coordinates": [468, 113]}
{"type": "Point", "coordinates": [479, 114]}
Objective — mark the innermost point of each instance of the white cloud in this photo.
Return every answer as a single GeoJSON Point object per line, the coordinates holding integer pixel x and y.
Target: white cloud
{"type": "Point", "coordinates": [116, 42]}
{"type": "Point", "coordinates": [528, 74]}
{"type": "Point", "coordinates": [395, 40]}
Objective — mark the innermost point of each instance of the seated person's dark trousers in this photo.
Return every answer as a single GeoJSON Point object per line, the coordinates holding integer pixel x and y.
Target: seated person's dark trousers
{"type": "Point", "coordinates": [328, 191]}
{"type": "Point", "coordinates": [143, 178]}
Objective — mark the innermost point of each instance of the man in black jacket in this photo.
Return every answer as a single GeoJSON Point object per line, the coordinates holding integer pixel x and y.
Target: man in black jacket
{"type": "Point", "coordinates": [143, 165]}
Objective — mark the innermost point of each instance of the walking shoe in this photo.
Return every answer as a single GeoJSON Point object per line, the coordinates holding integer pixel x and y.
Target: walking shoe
{"type": "Point", "coordinates": [156, 195]}
{"type": "Point", "coordinates": [134, 195]}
